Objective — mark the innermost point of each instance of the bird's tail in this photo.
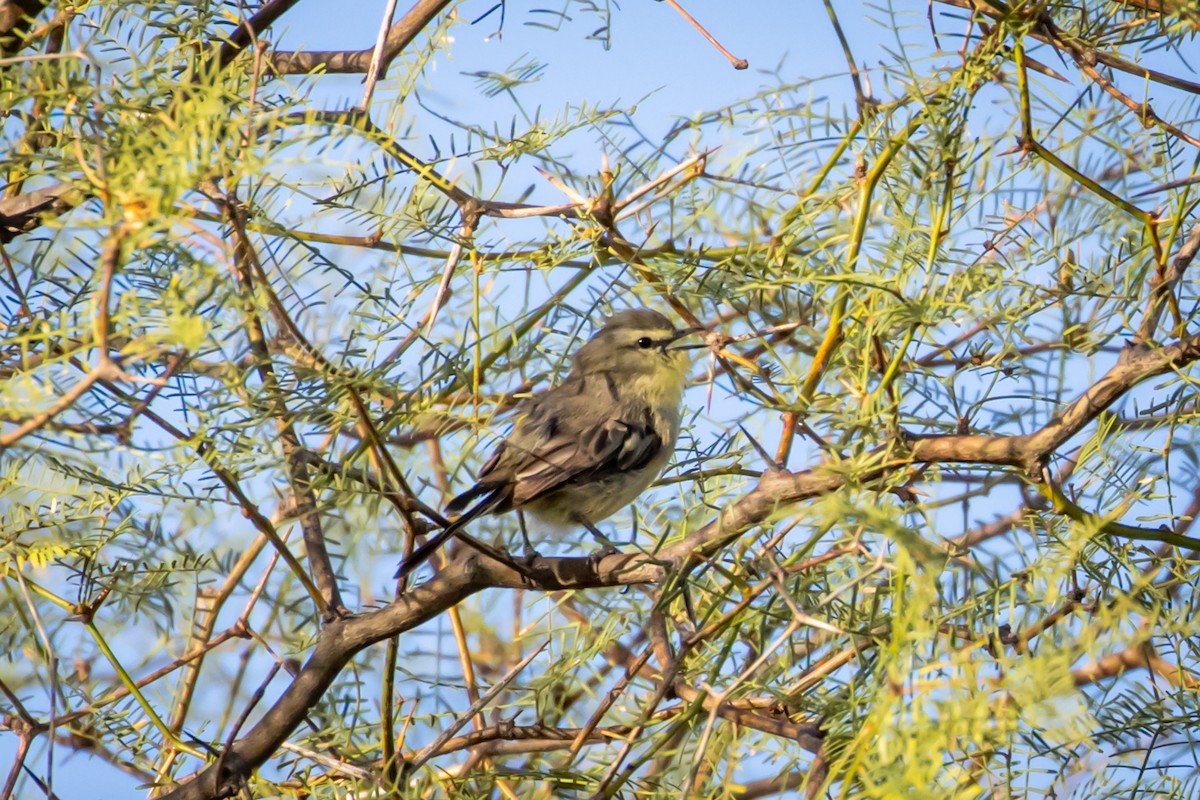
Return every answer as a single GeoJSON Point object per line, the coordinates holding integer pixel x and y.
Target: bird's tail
{"type": "Point", "coordinates": [458, 505]}
{"type": "Point", "coordinates": [491, 500]}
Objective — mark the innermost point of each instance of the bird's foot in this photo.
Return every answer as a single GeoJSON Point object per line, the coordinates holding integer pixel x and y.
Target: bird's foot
{"type": "Point", "coordinates": [606, 549]}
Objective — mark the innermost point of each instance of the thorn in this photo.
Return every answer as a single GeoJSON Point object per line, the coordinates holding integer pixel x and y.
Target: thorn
{"type": "Point", "coordinates": [758, 448]}
{"type": "Point", "coordinates": [572, 195]}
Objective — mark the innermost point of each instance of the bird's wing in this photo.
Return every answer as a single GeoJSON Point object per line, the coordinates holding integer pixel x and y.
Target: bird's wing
{"type": "Point", "coordinates": [546, 452]}
{"type": "Point", "coordinates": [613, 445]}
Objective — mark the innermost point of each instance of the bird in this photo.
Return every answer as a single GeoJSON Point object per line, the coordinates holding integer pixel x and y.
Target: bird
{"type": "Point", "coordinates": [584, 449]}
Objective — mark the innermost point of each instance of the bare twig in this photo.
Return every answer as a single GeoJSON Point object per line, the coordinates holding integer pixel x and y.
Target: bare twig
{"type": "Point", "coordinates": [376, 65]}
{"type": "Point", "coordinates": [435, 746]}
{"type": "Point", "coordinates": [738, 63]}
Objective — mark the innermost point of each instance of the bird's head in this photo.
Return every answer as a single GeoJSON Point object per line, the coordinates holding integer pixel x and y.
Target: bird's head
{"type": "Point", "coordinates": [638, 344]}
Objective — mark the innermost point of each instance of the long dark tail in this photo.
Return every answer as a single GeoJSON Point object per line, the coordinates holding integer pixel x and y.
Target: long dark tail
{"type": "Point", "coordinates": [458, 505]}
{"type": "Point", "coordinates": [493, 499]}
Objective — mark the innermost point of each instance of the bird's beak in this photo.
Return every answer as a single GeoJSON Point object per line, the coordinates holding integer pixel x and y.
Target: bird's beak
{"type": "Point", "coordinates": [681, 333]}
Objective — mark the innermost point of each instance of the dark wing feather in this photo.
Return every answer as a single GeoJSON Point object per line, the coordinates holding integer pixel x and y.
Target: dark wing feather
{"type": "Point", "coordinates": [639, 449]}
{"type": "Point", "coordinates": [494, 499]}
{"type": "Point", "coordinates": [460, 503]}
{"type": "Point", "coordinates": [612, 446]}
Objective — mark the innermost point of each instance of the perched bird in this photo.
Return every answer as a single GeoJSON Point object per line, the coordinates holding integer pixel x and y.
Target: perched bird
{"type": "Point", "coordinates": [582, 451]}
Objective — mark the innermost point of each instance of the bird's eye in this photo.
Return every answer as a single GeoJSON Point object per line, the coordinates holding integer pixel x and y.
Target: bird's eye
{"type": "Point", "coordinates": [645, 343]}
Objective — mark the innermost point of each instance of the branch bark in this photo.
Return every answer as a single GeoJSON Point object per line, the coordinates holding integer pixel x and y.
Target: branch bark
{"type": "Point", "coordinates": [249, 30]}
{"type": "Point", "coordinates": [399, 36]}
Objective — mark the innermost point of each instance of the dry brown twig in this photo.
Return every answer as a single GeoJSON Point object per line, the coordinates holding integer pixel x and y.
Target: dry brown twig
{"type": "Point", "coordinates": [737, 63]}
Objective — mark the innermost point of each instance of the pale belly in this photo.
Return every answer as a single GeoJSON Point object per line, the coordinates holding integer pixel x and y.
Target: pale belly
{"type": "Point", "coordinates": [594, 501]}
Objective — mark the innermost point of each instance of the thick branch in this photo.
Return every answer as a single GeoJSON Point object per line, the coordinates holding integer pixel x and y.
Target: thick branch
{"type": "Point", "coordinates": [509, 739]}
{"type": "Point", "coordinates": [339, 641]}
{"type": "Point", "coordinates": [250, 29]}
{"type": "Point", "coordinates": [1134, 365]}
{"type": "Point", "coordinates": [358, 61]}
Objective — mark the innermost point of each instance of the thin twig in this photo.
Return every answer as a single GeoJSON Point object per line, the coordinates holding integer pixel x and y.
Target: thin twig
{"type": "Point", "coordinates": [376, 66]}
{"type": "Point", "coordinates": [738, 63]}
{"type": "Point", "coordinates": [429, 752]}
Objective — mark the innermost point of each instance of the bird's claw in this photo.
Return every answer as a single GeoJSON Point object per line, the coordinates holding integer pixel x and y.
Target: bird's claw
{"type": "Point", "coordinates": [606, 549]}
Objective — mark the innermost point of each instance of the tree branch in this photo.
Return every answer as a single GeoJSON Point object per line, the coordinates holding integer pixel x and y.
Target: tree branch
{"type": "Point", "coordinates": [399, 36]}
{"type": "Point", "coordinates": [250, 29]}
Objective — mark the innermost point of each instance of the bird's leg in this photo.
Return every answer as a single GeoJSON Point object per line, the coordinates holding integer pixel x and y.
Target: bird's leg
{"type": "Point", "coordinates": [607, 548]}
{"type": "Point", "coordinates": [529, 554]}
